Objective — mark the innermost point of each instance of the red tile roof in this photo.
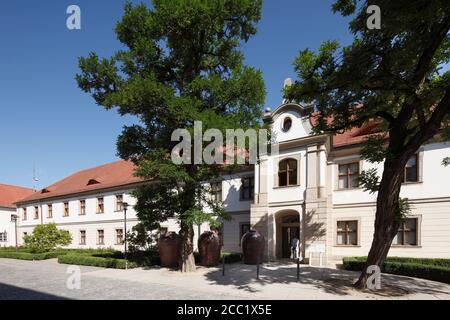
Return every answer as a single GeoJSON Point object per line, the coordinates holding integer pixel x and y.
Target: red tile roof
{"type": "Point", "coordinates": [10, 194]}
{"type": "Point", "coordinates": [110, 175]}
{"type": "Point", "coordinates": [353, 136]}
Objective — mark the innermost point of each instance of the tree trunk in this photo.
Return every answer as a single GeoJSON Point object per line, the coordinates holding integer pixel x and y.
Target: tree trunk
{"type": "Point", "coordinates": [386, 218]}
{"type": "Point", "coordinates": [187, 261]}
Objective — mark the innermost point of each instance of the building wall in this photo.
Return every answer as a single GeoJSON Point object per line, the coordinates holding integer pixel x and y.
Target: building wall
{"type": "Point", "coordinates": [433, 230]}
{"type": "Point", "coordinates": [7, 226]}
{"type": "Point", "coordinates": [111, 219]}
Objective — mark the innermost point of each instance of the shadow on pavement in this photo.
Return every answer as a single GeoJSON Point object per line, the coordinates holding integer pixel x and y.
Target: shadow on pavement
{"type": "Point", "coordinates": [8, 292]}
{"type": "Point", "coordinates": [338, 282]}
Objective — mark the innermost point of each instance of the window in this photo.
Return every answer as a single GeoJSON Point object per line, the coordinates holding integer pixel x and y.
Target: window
{"type": "Point", "coordinates": [100, 237]}
{"type": "Point", "coordinates": [25, 234]}
{"type": "Point", "coordinates": [287, 173]}
{"type": "Point", "coordinates": [407, 233]}
{"type": "Point", "coordinates": [100, 205]}
{"type": "Point", "coordinates": [82, 207]}
{"type": "Point", "coordinates": [410, 173]}
{"type": "Point", "coordinates": [247, 188]}
{"type": "Point", "coordinates": [347, 233]}
{"type": "Point", "coordinates": [119, 202]}
{"type": "Point", "coordinates": [82, 237]}
{"type": "Point", "coordinates": [66, 209]}
{"type": "Point", "coordinates": [216, 192]}
{"type": "Point", "coordinates": [348, 175]}
{"type": "Point", "coordinates": [24, 213]}
{"type": "Point", "coordinates": [36, 213]}
{"type": "Point", "coordinates": [287, 124]}
{"type": "Point", "coordinates": [3, 236]}
{"type": "Point", "coordinates": [49, 211]}
{"type": "Point", "coordinates": [244, 228]}
{"type": "Point", "coordinates": [119, 236]}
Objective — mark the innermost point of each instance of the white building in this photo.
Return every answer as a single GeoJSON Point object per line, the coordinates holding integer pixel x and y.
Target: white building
{"type": "Point", "coordinates": [308, 190]}
{"type": "Point", "coordinates": [8, 196]}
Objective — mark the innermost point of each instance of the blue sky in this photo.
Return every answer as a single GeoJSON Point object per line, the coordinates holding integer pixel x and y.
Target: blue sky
{"type": "Point", "coordinates": [46, 121]}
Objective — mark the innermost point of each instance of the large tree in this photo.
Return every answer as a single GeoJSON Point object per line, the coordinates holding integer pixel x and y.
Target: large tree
{"type": "Point", "coordinates": [181, 63]}
{"type": "Point", "coordinates": [397, 77]}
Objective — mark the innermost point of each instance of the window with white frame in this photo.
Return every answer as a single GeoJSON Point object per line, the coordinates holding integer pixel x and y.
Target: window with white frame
{"type": "Point", "coordinates": [82, 207]}
{"type": "Point", "coordinates": [100, 237]}
{"type": "Point", "coordinates": [119, 202]}
{"type": "Point", "coordinates": [347, 233]}
{"type": "Point", "coordinates": [82, 237]}
{"type": "Point", "coordinates": [3, 236]}
{"type": "Point", "coordinates": [407, 234]}
{"type": "Point", "coordinates": [100, 205]}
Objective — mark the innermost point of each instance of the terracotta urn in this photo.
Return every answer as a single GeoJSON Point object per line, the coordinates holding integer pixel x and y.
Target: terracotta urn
{"type": "Point", "coordinates": [209, 247]}
{"type": "Point", "coordinates": [168, 246]}
{"type": "Point", "coordinates": [253, 244]}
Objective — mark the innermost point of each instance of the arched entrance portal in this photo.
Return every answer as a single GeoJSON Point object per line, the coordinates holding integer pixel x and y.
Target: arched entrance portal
{"type": "Point", "coordinates": [287, 227]}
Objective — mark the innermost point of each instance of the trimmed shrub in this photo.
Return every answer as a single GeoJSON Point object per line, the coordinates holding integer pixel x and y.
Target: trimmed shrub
{"type": "Point", "coordinates": [87, 260]}
{"type": "Point", "coordinates": [27, 255]}
{"type": "Point", "coordinates": [232, 257]}
{"type": "Point", "coordinates": [431, 269]}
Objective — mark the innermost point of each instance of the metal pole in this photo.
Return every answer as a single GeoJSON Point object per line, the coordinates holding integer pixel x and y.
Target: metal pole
{"type": "Point", "coordinates": [125, 237]}
{"type": "Point", "coordinates": [298, 268]}
{"type": "Point", "coordinates": [223, 265]}
{"type": "Point", "coordinates": [15, 229]}
{"type": "Point", "coordinates": [257, 271]}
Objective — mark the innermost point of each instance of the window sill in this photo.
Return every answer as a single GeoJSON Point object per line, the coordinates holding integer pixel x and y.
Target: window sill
{"type": "Point", "coordinates": [349, 189]}
{"type": "Point", "coordinates": [118, 211]}
{"type": "Point", "coordinates": [99, 213]}
{"type": "Point", "coordinates": [406, 246]}
{"type": "Point", "coordinates": [82, 214]}
{"type": "Point", "coordinates": [284, 187]}
{"type": "Point", "coordinates": [411, 183]}
{"type": "Point", "coordinates": [347, 246]}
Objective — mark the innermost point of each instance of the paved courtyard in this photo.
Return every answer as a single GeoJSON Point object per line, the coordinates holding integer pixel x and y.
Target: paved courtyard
{"type": "Point", "coordinates": [48, 280]}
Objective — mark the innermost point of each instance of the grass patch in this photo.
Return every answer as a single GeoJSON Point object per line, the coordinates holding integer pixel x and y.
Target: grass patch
{"type": "Point", "coordinates": [431, 269]}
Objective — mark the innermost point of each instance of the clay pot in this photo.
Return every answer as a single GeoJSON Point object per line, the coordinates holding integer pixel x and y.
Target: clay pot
{"type": "Point", "coordinates": [209, 247]}
{"type": "Point", "coordinates": [169, 248]}
{"type": "Point", "coordinates": [253, 244]}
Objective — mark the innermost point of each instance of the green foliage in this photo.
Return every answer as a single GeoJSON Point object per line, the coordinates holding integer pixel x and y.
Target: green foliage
{"type": "Point", "coordinates": [431, 269]}
{"type": "Point", "coordinates": [20, 255]}
{"type": "Point", "coordinates": [374, 149]}
{"type": "Point", "coordinates": [393, 76]}
{"type": "Point", "coordinates": [87, 260]}
{"type": "Point", "coordinates": [369, 180]}
{"type": "Point", "coordinates": [403, 209]}
{"type": "Point", "coordinates": [181, 62]}
{"type": "Point", "coordinates": [140, 238]}
{"type": "Point", "coordinates": [46, 237]}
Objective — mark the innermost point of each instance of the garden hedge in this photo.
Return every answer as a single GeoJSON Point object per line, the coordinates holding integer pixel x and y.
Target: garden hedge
{"type": "Point", "coordinates": [21, 255]}
{"type": "Point", "coordinates": [431, 269]}
{"type": "Point", "coordinates": [87, 260]}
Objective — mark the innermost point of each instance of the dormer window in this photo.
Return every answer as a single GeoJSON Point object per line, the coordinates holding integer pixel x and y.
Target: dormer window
{"type": "Point", "coordinates": [45, 191]}
{"type": "Point", "coordinates": [287, 124]}
{"type": "Point", "coordinates": [92, 181]}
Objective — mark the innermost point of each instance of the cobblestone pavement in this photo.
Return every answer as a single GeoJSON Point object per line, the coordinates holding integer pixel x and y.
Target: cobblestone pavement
{"type": "Point", "coordinates": [48, 280]}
